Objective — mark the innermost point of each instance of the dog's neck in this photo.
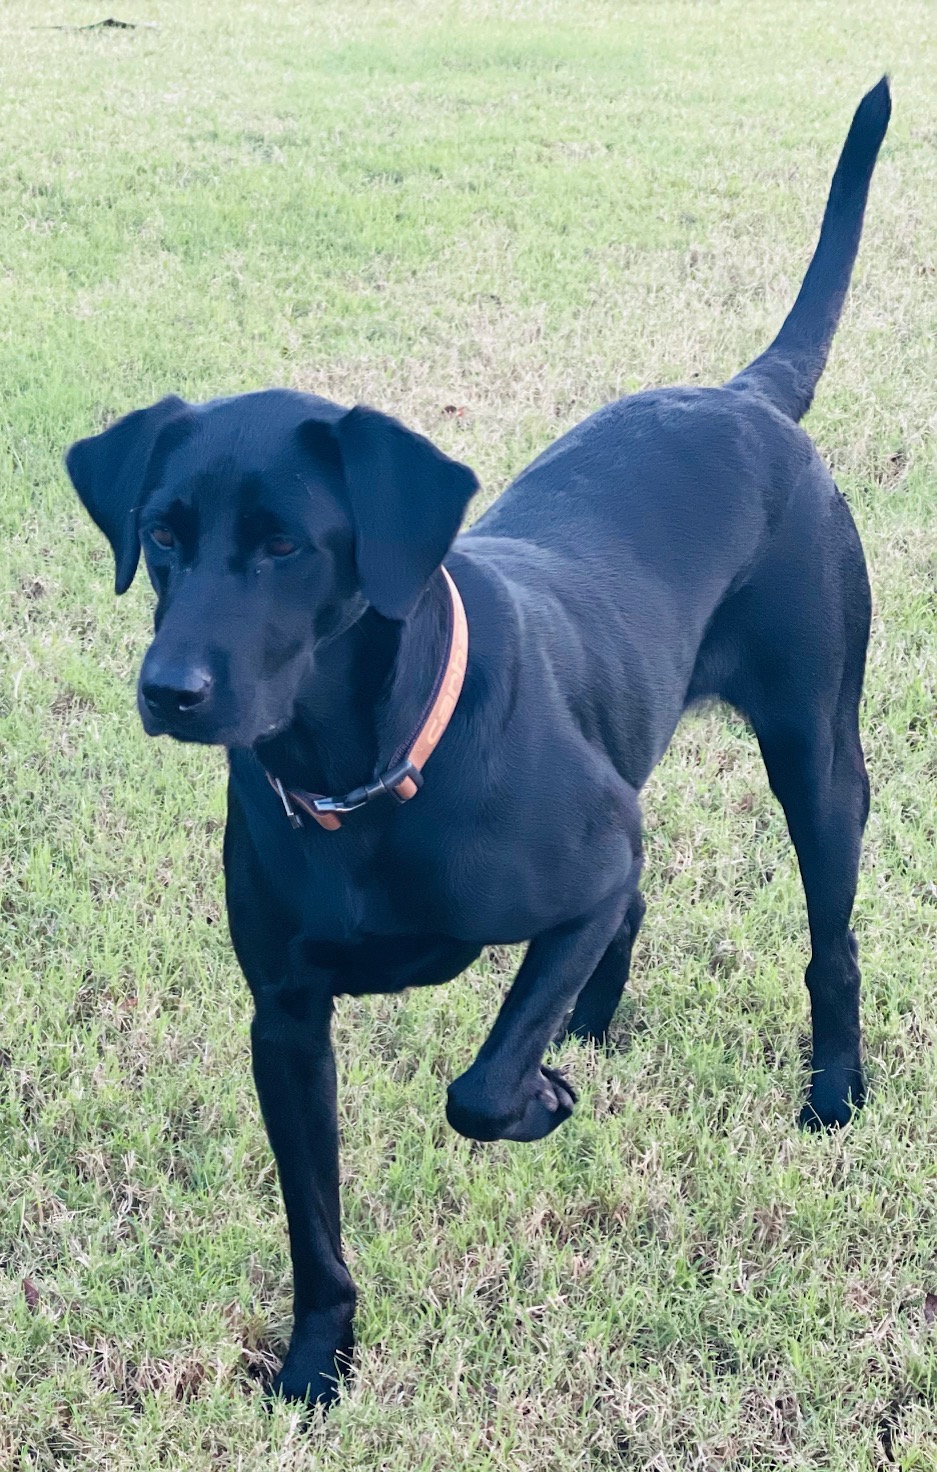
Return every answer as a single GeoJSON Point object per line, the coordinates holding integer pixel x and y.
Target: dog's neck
{"type": "Point", "coordinates": [366, 695]}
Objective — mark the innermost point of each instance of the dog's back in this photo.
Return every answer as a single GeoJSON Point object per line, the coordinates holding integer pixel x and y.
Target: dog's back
{"type": "Point", "coordinates": [658, 509]}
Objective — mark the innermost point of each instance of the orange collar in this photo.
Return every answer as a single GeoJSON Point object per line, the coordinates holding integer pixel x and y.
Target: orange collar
{"type": "Point", "coordinates": [402, 779]}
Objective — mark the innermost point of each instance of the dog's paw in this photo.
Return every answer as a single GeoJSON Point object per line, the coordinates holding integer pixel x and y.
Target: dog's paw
{"type": "Point", "coordinates": [837, 1093]}
{"type": "Point", "coordinates": [315, 1380]}
{"type": "Point", "coordinates": [314, 1368]}
{"type": "Point", "coordinates": [541, 1103]}
{"type": "Point", "coordinates": [550, 1102]}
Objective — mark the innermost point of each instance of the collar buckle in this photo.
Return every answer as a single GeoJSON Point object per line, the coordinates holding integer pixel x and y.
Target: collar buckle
{"type": "Point", "coordinates": [392, 780]}
{"type": "Point", "coordinates": [387, 782]}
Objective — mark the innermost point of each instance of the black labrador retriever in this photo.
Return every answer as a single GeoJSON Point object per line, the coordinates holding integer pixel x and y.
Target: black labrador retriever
{"type": "Point", "coordinates": [681, 544]}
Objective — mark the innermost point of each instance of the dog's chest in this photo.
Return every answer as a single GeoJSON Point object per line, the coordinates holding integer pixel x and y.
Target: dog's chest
{"type": "Point", "coordinates": [389, 963]}
{"type": "Point", "coordinates": [363, 908]}
{"type": "Point", "coordinates": [410, 897]}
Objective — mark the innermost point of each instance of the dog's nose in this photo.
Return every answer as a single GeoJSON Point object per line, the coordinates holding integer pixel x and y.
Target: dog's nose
{"type": "Point", "coordinates": [175, 692]}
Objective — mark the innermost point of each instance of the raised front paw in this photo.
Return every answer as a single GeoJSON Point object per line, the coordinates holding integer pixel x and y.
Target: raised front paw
{"type": "Point", "coordinates": [551, 1101]}
{"type": "Point", "coordinates": [530, 1111]}
{"type": "Point", "coordinates": [318, 1360]}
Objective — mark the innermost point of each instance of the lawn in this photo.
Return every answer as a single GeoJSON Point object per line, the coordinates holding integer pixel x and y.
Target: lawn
{"type": "Point", "coordinates": [488, 218]}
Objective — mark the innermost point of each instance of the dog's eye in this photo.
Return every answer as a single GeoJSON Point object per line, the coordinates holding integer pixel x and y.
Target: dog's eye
{"type": "Point", "coordinates": [162, 536]}
{"type": "Point", "coordinates": [279, 546]}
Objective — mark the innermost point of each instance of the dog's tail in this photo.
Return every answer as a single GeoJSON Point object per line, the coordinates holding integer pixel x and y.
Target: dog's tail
{"type": "Point", "coordinates": [787, 373]}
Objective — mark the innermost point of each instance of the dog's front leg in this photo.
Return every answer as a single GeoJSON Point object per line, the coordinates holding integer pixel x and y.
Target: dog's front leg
{"type": "Point", "coordinates": [294, 1069]}
{"type": "Point", "coordinates": [507, 1094]}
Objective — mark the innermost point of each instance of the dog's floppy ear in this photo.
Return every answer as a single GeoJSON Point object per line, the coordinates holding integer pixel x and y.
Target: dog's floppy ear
{"type": "Point", "coordinates": [109, 472]}
{"type": "Point", "coordinates": [407, 500]}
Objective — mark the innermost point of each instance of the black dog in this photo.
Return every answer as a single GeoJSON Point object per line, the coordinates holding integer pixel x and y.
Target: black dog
{"type": "Point", "coordinates": [681, 544]}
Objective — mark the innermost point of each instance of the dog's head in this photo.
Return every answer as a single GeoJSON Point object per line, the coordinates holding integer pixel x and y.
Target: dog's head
{"type": "Point", "coordinates": [268, 523]}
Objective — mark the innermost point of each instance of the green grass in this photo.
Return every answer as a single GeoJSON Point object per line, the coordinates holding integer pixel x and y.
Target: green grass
{"type": "Point", "coordinates": [521, 210]}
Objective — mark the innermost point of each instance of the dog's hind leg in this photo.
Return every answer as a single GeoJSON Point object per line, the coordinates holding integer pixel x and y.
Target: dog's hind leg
{"type": "Point", "coordinates": [800, 685]}
{"type": "Point", "coordinates": [597, 1002]}
{"type": "Point", "coordinates": [819, 778]}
